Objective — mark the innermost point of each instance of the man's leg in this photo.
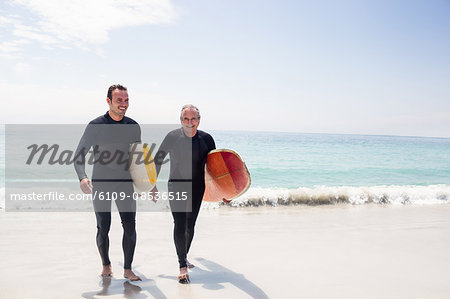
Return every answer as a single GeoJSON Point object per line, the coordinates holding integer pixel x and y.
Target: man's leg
{"type": "Point", "coordinates": [180, 210]}
{"type": "Point", "coordinates": [102, 210]}
{"type": "Point", "coordinates": [129, 243]}
{"type": "Point", "coordinates": [102, 239]}
{"type": "Point", "coordinates": [127, 212]}
{"type": "Point", "coordinates": [191, 219]}
{"type": "Point", "coordinates": [179, 236]}
{"type": "Point", "coordinates": [129, 237]}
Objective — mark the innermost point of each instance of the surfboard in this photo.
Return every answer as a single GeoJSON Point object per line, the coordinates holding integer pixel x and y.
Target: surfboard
{"type": "Point", "coordinates": [226, 176]}
{"type": "Point", "coordinates": [142, 167]}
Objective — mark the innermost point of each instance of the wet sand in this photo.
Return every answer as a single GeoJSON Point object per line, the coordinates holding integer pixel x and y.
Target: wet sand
{"type": "Point", "coordinates": [334, 251]}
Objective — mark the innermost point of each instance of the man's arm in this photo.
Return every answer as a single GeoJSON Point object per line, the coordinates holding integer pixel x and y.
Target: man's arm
{"type": "Point", "coordinates": [162, 152]}
{"type": "Point", "coordinates": [80, 161]}
{"type": "Point", "coordinates": [211, 143]}
{"type": "Point", "coordinates": [136, 132]}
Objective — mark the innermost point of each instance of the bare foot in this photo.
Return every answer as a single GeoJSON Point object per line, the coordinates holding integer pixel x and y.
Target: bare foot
{"type": "Point", "coordinates": [184, 276]}
{"type": "Point", "coordinates": [107, 272]}
{"type": "Point", "coordinates": [189, 265]}
{"type": "Point", "coordinates": [127, 273]}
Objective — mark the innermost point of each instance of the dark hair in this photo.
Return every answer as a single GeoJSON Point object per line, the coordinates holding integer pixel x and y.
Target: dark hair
{"type": "Point", "coordinates": [114, 87]}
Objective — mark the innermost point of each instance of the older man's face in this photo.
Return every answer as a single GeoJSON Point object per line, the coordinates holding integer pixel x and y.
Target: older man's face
{"type": "Point", "coordinates": [190, 122]}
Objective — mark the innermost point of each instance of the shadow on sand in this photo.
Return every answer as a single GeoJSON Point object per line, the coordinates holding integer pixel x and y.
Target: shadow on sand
{"type": "Point", "coordinates": [213, 276]}
{"type": "Point", "coordinates": [130, 290]}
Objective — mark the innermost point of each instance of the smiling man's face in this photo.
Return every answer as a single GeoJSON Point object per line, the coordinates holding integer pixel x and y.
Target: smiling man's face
{"type": "Point", "coordinates": [118, 105]}
{"type": "Point", "coordinates": [190, 121]}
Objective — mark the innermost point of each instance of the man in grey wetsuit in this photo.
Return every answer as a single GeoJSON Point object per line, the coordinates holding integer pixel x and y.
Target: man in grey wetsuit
{"type": "Point", "coordinates": [110, 136]}
{"type": "Point", "coordinates": [188, 148]}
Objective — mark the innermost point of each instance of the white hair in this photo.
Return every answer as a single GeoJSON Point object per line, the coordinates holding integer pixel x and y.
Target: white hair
{"type": "Point", "coordinates": [189, 106]}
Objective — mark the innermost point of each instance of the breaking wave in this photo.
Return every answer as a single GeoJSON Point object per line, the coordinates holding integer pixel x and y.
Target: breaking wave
{"type": "Point", "coordinates": [322, 195]}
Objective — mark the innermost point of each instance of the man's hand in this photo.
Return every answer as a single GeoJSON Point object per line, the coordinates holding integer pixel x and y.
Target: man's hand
{"type": "Point", "coordinates": [86, 186]}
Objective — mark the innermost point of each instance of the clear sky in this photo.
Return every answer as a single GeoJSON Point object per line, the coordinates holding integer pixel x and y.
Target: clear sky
{"type": "Point", "coordinates": [362, 67]}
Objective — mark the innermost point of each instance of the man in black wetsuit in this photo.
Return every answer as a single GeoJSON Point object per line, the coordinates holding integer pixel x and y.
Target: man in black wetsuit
{"type": "Point", "coordinates": [188, 148]}
{"type": "Point", "coordinates": [110, 136]}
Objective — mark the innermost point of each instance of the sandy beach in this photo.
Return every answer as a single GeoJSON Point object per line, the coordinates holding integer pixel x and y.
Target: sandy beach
{"type": "Point", "coordinates": [334, 251]}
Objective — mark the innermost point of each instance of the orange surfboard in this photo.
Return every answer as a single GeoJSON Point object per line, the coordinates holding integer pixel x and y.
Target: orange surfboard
{"type": "Point", "coordinates": [226, 176]}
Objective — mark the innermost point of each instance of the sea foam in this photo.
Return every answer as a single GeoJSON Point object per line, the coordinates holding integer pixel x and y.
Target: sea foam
{"type": "Point", "coordinates": [320, 195]}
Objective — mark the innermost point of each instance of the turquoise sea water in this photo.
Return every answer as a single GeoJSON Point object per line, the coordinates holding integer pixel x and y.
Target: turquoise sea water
{"type": "Point", "coordinates": [328, 168]}
{"type": "Point", "coordinates": [292, 160]}
{"type": "Point", "coordinates": [299, 168]}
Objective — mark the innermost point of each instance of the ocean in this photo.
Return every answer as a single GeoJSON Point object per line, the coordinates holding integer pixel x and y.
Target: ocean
{"type": "Point", "coordinates": [313, 169]}
{"type": "Point", "coordinates": [289, 168]}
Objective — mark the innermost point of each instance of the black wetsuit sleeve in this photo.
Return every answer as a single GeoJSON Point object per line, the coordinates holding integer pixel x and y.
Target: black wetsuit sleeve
{"type": "Point", "coordinates": [82, 149]}
{"type": "Point", "coordinates": [211, 144]}
{"type": "Point", "coordinates": [139, 139]}
{"type": "Point", "coordinates": [162, 152]}
{"type": "Point", "coordinates": [136, 133]}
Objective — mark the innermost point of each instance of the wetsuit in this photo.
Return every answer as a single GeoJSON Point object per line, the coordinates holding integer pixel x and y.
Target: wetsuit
{"type": "Point", "coordinates": [110, 142]}
{"type": "Point", "coordinates": [187, 174]}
